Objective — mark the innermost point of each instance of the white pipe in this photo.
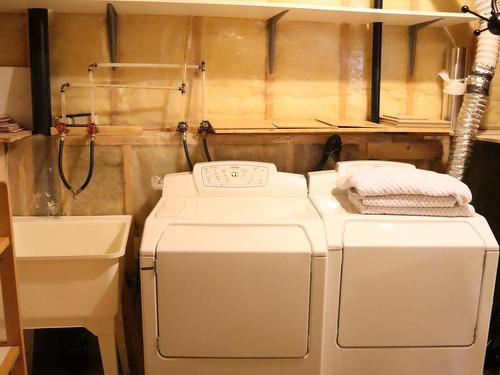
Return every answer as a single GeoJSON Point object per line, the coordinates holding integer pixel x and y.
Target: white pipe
{"type": "Point", "coordinates": [63, 105]}
{"type": "Point", "coordinates": [187, 46]}
{"type": "Point", "coordinates": [103, 85]}
{"type": "Point", "coordinates": [142, 65]}
{"type": "Point", "coordinates": [487, 43]}
{"type": "Point", "coordinates": [115, 85]}
{"type": "Point", "coordinates": [203, 72]}
{"type": "Point", "coordinates": [184, 70]}
{"type": "Point", "coordinates": [92, 97]}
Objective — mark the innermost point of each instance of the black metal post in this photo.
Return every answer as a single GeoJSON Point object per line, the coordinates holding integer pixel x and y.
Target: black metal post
{"type": "Point", "coordinates": [40, 70]}
{"type": "Point", "coordinates": [376, 65]}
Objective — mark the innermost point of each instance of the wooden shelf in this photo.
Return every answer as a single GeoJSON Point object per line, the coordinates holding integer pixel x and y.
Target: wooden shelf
{"type": "Point", "coordinates": [492, 136]}
{"type": "Point", "coordinates": [244, 9]}
{"type": "Point", "coordinates": [8, 356]}
{"type": "Point", "coordinates": [161, 137]}
{"type": "Point", "coordinates": [4, 243]}
{"type": "Point", "coordinates": [14, 137]}
{"type": "Point", "coordinates": [341, 130]}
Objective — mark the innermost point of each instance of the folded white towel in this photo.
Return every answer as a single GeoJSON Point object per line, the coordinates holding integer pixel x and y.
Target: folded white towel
{"type": "Point", "coordinates": [391, 182]}
{"type": "Point", "coordinates": [455, 211]}
{"type": "Point", "coordinates": [402, 200]}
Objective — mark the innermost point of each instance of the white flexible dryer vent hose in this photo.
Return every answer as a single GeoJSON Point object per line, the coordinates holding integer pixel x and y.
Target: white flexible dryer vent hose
{"type": "Point", "coordinates": [476, 95]}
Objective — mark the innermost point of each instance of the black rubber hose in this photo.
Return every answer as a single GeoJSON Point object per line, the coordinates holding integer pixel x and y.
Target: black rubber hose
{"type": "Point", "coordinates": [91, 168]}
{"type": "Point", "coordinates": [332, 148]}
{"type": "Point", "coordinates": [205, 148]}
{"type": "Point", "coordinates": [186, 152]}
{"type": "Point", "coordinates": [322, 162]}
{"type": "Point", "coordinates": [60, 165]}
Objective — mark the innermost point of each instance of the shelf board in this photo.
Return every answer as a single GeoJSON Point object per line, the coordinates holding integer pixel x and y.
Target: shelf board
{"type": "Point", "coordinates": [492, 136]}
{"type": "Point", "coordinates": [4, 244]}
{"type": "Point", "coordinates": [8, 357]}
{"type": "Point", "coordinates": [14, 137]}
{"type": "Point", "coordinates": [244, 9]}
{"type": "Point", "coordinates": [340, 130]}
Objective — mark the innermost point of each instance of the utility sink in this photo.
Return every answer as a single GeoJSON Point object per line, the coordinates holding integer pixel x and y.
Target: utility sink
{"type": "Point", "coordinates": [68, 274]}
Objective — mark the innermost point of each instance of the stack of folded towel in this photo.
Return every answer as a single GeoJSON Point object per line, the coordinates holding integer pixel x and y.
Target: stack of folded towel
{"type": "Point", "coordinates": [406, 191]}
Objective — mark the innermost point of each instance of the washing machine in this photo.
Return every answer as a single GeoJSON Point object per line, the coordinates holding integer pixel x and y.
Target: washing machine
{"type": "Point", "coordinates": [233, 271]}
{"type": "Point", "coordinates": [406, 295]}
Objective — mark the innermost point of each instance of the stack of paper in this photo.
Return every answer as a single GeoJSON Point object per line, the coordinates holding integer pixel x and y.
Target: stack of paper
{"type": "Point", "coordinates": [8, 126]}
{"type": "Point", "coordinates": [413, 121]}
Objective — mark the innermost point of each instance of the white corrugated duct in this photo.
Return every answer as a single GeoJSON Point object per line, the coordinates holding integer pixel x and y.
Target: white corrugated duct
{"type": "Point", "coordinates": [476, 95]}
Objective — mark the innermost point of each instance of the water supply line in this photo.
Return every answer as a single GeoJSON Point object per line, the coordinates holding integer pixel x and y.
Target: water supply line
{"type": "Point", "coordinates": [67, 85]}
{"type": "Point", "coordinates": [477, 85]}
{"type": "Point", "coordinates": [204, 129]}
{"type": "Point", "coordinates": [62, 130]}
{"type": "Point", "coordinates": [182, 128]}
{"type": "Point", "coordinates": [332, 149]}
{"type": "Point", "coordinates": [93, 86]}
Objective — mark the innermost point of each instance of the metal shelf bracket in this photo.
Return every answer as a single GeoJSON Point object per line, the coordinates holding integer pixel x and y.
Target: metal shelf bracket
{"type": "Point", "coordinates": [271, 39]}
{"type": "Point", "coordinates": [412, 43]}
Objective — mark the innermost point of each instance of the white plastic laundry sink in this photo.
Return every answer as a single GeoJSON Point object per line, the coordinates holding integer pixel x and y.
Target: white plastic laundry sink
{"type": "Point", "coordinates": [68, 274]}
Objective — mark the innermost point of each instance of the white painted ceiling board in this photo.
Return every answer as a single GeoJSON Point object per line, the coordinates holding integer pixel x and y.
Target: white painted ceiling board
{"type": "Point", "coordinates": [244, 9]}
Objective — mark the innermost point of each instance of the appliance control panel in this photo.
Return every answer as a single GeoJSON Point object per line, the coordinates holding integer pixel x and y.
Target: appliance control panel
{"type": "Point", "coordinates": [235, 175]}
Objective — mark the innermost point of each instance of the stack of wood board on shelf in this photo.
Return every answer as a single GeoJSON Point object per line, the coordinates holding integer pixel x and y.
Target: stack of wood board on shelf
{"type": "Point", "coordinates": [413, 121]}
{"type": "Point", "coordinates": [7, 125]}
{"type": "Point", "coordinates": [301, 124]}
{"type": "Point", "coordinates": [290, 125]}
{"type": "Point", "coordinates": [350, 123]}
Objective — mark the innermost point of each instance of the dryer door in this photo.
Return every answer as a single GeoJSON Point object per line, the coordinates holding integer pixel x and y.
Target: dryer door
{"type": "Point", "coordinates": [410, 284]}
{"type": "Point", "coordinates": [231, 291]}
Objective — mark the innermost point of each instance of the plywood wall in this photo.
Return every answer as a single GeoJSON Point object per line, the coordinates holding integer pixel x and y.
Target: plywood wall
{"type": "Point", "coordinates": [322, 70]}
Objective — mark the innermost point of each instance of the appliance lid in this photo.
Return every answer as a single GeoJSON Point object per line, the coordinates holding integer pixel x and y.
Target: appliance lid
{"type": "Point", "coordinates": [411, 234]}
{"type": "Point", "coordinates": [234, 238]}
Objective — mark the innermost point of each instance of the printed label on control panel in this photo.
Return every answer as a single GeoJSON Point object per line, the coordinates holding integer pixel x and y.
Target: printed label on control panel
{"type": "Point", "coordinates": [234, 176]}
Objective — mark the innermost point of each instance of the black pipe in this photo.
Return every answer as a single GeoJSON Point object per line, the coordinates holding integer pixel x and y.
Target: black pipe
{"type": "Point", "coordinates": [60, 165]}
{"type": "Point", "coordinates": [91, 167]}
{"type": "Point", "coordinates": [205, 148]}
{"type": "Point", "coordinates": [40, 70]}
{"type": "Point", "coordinates": [332, 148]}
{"type": "Point", "coordinates": [376, 66]}
{"type": "Point", "coordinates": [61, 170]}
{"type": "Point", "coordinates": [186, 152]}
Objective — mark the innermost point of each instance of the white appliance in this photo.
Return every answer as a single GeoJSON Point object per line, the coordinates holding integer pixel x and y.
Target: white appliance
{"type": "Point", "coordinates": [233, 265]}
{"type": "Point", "coordinates": [405, 295]}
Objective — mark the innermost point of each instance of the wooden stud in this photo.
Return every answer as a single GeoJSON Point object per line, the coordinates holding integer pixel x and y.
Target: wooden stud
{"type": "Point", "coordinates": [128, 179]}
{"type": "Point", "coordinates": [344, 71]}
